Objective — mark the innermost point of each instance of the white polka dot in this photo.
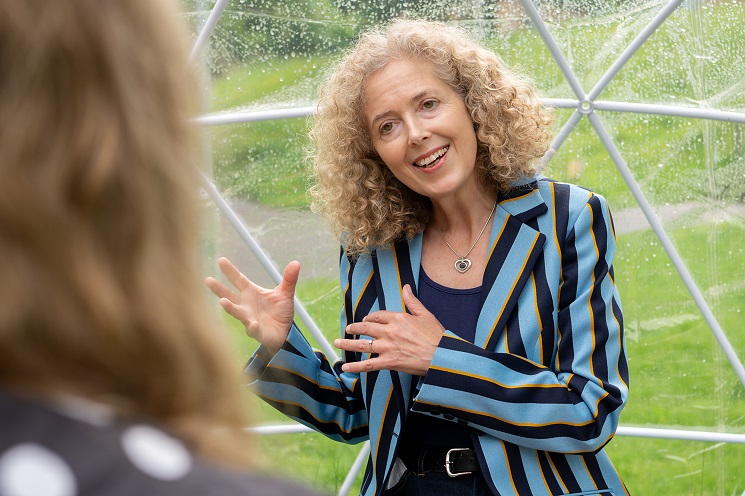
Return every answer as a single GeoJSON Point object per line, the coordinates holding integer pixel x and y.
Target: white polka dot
{"type": "Point", "coordinates": [31, 470]}
{"type": "Point", "coordinates": [156, 453]}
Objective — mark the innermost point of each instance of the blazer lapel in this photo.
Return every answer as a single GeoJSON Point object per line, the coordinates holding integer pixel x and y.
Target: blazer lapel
{"type": "Point", "coordinates": [397, 267]}
{"type": "Point", "coordinates": [393, 269]}
{"type": "Point", "coordinates": [515, 248]}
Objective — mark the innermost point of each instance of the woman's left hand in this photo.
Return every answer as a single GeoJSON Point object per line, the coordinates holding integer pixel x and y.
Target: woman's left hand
{"type": "Point", "coordinates": [403, 342]}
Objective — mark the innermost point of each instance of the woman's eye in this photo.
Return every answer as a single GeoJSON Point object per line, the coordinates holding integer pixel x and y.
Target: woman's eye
{"type": "Point", "coordinates": [386, 128]}
{"type": "Point", "coordinates": [429, 104]}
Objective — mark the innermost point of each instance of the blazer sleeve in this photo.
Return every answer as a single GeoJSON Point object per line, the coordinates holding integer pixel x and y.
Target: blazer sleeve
{"type": "Point", "coordinates": [571, 405]}
{"type": "Point", "coordinates": [302, 383]}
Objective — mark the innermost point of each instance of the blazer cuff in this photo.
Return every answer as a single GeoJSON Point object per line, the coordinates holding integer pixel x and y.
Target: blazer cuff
{"type": "Point", "coordinates": [262, 357]}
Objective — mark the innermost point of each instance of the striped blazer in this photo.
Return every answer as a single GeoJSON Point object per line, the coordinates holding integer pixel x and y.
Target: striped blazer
{"type": "Point", "coordinates": [542, 385]}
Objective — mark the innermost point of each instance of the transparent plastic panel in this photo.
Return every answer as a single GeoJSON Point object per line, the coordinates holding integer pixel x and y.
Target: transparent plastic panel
{"type": "Point", "coordinates": [692, 173]}
{"type": "Point", "coordinates": [582, 159]}
{"type": "Point", "coordinates": [696, 58]}
{"type": "Point", "coordinates": [267, 53]}
{"type": "Point", "coordinates": [671, 467]}
{"type": "Point", "coordinates": [512, 36]}
{"type": "Point", "coordinates": [591, 34]}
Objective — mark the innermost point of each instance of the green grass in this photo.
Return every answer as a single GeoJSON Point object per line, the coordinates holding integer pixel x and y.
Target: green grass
{"type": "Point", "coordinates": [247, 84]}
{"type": "Point", "coordinates": [679, 376]}
{"type": "Point", "coordinates": [256, 161]}
{"type": "Point", "coordinates": [679, 468]}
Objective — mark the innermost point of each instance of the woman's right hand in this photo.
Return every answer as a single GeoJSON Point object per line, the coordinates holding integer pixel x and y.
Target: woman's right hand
{"type": "Point", "coordinates": [267, 314]}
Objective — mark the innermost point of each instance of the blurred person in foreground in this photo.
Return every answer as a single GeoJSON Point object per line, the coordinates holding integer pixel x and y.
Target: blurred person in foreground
{"type": "Point", "coordinates": [481, 326]}
{"type": "Point", "coordinates": [112, 378]}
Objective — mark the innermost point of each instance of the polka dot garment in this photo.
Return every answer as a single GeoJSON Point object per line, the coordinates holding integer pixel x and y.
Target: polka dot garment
{"type": "Point", "coordinates": [78, 448]}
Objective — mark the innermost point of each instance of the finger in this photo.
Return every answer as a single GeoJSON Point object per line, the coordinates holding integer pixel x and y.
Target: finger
{"type": "Point", "coordinates": [412, 302]}
{"type": "Point", "coordinates": [252, 327]}
{"type": "Point", "coordinates": [235, 311]}
{"type": "Point", "coordinates": [290, 278]}
{"type": "Point", "coordinates": [358, 345]}
{"type": "Point", "coordinates": [219, 289]}
{"type": "Point", "coordinates": [365, 328]}
{"type": "Point", "coordinates": [380, 317]}
{"type": "Point", "coordinates": [362, 366]}
{"type": "Point", "coordinates": [235, 276]}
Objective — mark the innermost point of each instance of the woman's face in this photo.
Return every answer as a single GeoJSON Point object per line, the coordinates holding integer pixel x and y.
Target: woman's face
{"type": "Point", "coordinates": [421, 129]}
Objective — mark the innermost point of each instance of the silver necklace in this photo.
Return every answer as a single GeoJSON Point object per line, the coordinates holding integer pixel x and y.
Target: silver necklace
{"type": "Point", "coordinates": [464, 263]}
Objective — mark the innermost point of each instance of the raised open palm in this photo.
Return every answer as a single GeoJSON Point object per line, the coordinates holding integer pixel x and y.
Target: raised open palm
{"type": "Point", "coordinates": [266, 313]}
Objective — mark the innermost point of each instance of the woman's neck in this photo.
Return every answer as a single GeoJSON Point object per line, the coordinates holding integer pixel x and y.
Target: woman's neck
{"type": "Point", "coordinates": [456, 242]}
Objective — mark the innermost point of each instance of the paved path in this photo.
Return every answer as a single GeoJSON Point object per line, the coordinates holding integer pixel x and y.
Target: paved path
{"type": "Point", "coordinates": [285, 235]}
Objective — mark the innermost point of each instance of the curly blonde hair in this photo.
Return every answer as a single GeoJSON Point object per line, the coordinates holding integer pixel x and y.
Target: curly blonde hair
{"type": "Point", "coordinates": [363, 201]}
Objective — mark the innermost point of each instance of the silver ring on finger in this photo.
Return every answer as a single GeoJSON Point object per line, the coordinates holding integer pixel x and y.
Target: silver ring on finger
{"type": "Point", "coordinates": [371, 346]}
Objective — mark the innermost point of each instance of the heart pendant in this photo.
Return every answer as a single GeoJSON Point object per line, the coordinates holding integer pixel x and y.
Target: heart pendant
{"type": "Point", "coordinates": [462, 265]}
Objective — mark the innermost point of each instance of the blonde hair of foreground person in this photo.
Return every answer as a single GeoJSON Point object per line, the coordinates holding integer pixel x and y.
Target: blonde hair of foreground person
{"type": "Point", "coordinates": [355, 190]}
{"type": "Point", "coordinates": [100, 292]}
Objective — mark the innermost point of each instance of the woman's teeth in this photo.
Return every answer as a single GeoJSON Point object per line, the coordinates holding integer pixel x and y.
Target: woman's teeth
{"type": "Point", "coordinates": [427, 161]}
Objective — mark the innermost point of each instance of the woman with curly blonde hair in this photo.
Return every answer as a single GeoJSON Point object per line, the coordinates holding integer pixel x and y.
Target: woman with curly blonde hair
{"type": "Point", "coordinates": [357, 192]}
{"type": "Point", "coordinates": [481, 328]}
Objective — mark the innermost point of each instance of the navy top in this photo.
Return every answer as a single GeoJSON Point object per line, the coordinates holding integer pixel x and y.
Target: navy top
{"type": "Point", "coordinates": [458, 311]}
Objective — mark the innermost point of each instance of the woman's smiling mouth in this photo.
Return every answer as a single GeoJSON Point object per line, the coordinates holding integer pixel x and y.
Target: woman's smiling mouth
{"type": "Point", "coordinates": [429, 160]}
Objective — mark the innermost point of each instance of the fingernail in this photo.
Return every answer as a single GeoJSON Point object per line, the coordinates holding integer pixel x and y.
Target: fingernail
{"type": "Point", "coordinates": [337, 342]}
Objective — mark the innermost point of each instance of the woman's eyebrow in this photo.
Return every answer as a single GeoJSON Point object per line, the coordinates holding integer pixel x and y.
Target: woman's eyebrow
{"type": "Point", "coordinates": [389, 112]}
{"type": "Point", "coordinates": [380, 116]}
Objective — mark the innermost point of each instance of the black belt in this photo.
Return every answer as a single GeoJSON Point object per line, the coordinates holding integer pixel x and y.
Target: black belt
{"type": "Point", "coordinates": [454, 462]}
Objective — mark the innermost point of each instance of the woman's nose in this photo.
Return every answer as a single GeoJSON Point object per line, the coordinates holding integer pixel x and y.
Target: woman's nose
{"type": "Point", "coordinates": [418, 132]}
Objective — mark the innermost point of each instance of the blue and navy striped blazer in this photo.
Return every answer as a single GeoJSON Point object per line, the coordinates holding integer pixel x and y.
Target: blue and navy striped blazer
{"type": "Point", "coordinates": [544, 382]}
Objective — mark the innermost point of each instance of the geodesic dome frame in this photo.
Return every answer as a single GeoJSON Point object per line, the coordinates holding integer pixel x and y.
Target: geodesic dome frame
{"type": "Point", "coordinates": [585, 106]}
